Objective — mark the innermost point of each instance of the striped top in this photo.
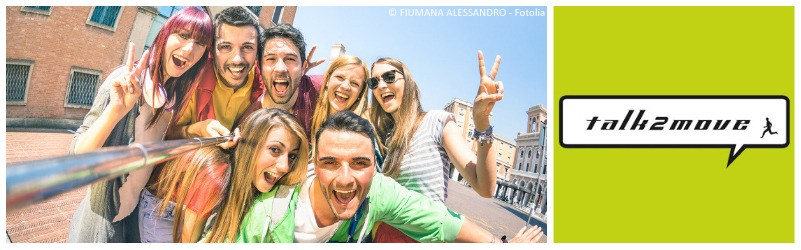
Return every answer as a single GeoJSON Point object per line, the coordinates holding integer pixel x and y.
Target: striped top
{"type": "Point", "coordinates": [426, 166]}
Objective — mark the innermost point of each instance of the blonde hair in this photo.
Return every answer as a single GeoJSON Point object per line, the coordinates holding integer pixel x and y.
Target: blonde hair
{"type": "Point", "coordinates": [242, 193]}
{"type": "Point", "coordinates": [394, 136]}
{"type": "Point", "coordinates": [183, 175]}
{"type": "Point", "coordinates": [323, 106]}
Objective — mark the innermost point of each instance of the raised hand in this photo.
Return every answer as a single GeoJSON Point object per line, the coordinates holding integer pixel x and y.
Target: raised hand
{"type": "Point", "coordinates": [232, 142]}
{"type": "Point", "coordinates": [308, 64]}
{"type": "Point", "coordinates": [489, 90]}
{"type": "Point", "coordinates": [207, 128]}
{"type": "Point", "coordinates": [126, 89]}
{"type": "Point", "coordinates": [532, 235]}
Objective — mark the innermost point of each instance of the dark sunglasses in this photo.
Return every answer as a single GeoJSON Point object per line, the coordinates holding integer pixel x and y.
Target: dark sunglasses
{"type": "Point", "coordinates": [388, 77]}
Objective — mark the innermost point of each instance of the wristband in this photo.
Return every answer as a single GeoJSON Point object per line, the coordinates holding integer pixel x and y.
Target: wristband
{"type": "Point", "coordinates": [483, 137]}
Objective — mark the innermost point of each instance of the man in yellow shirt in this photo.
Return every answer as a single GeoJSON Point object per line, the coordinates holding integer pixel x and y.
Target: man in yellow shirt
{"type": "Point", "coordinates": [226, 90]}
{"type": "Point", "coordinates": [226, 94]}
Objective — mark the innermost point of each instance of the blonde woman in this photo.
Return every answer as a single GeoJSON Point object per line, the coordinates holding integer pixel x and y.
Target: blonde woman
{"type": "Point", "coordinates": [345, 89]}
{"type": "Point", "coordinates": [420, 145]}
{"type": "Point", "coordinates": [194, 182]}
{"type": "Point", "coordinates": [273, 151]}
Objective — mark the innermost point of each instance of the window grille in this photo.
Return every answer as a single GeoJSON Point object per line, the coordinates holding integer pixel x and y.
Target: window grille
{"type": "Point", "coordinates": [17, 78]}
{"type": "Point", "coordinates": [82, 88]}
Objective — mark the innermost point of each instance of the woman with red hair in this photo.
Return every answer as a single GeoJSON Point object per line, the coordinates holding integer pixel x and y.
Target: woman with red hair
{"type": "Point", "coordinates": [136, 103]}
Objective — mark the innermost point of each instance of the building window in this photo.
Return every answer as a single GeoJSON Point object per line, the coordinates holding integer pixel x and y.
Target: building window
{"type": "Point", "coordinates": [82, 87]}
{"type": "Point", "coordinates": [279, 11]}
{"type": "Point", "coordinates": [522, 151]}
{"type": "Point", "coordinates": [105, 17]}
{"type": "Point", "coordinates": [18, 75]}
{"type": "Point", "coordinates": [520, 166]}
{"type": "Point", "coordinates": [529, 153]}
{"type": "Point", "coordinates": [44, 10]}
{"type": "Point", "coordinates": [255, 9]}
{"type": "Point", "coordinates": [168, 11]}
{"type": "Point", "coordinates": [527, 167]}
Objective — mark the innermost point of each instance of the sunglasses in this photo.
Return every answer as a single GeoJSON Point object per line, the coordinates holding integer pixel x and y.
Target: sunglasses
{"type": "Point", "coordinates": [388, 77]}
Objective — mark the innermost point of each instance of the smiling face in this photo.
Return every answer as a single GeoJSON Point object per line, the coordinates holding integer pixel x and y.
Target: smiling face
{"type": "Point", "coordinates": [344, 87]}
{"type": "Point", "coordinates": [275, 158]}
{"type": "Point", "coordinates": [181, 52]}
{"type": "Point", "coordinates": [235, 53]}
{"type": "Point", "coordinates": [389, 96]}
{"type": "Point", "coordinates": [344, 168]}
{"type": "Point", "coordinates": [281, 69]}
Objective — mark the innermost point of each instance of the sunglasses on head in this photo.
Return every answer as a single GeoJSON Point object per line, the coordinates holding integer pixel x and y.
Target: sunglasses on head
{"type": "Point", "coordinates": [388, 77]}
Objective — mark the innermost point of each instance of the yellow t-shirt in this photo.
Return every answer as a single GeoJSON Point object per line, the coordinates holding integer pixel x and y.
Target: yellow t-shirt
{"type": "Point", "coordinates": [228, 104]}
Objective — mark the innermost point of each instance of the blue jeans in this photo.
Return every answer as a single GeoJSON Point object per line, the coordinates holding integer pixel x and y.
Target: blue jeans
{"type": "Point", "coordinates": [152, 227]}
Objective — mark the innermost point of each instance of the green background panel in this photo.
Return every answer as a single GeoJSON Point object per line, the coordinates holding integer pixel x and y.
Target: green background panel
{"type": "Point", "coordinates": [673, 195]}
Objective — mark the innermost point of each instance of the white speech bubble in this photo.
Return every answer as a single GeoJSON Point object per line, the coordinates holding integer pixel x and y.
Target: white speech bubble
{"type": "Point", "coordinates": [735, 122]}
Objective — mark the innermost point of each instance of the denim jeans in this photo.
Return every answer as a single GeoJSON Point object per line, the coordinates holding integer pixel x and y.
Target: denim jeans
{"type": "Point", "coordinates": [152, 227]}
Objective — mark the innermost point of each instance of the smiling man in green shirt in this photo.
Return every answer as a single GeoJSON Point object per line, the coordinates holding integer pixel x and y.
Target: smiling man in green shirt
{"type": "Point", "coordinates": [346, 196]}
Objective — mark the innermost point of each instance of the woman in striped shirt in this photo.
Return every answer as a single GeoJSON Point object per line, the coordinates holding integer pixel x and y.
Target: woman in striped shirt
{"type": "Point", "coordinates": [420, 146]}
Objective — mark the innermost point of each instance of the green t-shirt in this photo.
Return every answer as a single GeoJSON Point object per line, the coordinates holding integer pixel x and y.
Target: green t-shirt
{"type": "Point", "coordinates": [410, 212]}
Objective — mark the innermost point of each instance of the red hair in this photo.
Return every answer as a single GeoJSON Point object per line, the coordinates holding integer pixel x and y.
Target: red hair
{"type": "Point", "coordinates": [201, 29]}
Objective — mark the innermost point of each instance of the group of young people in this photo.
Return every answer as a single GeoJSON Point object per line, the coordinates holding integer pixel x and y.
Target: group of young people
{"type": "Point", "coordinates": [312, 159]}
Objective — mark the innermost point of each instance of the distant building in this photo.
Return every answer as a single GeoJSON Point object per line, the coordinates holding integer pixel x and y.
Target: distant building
{"type": "Point", "coordinates": [337, 50]}
{"type": "Point", "coordinates": [527, 179]}
{"type": "Point", "coordinates": [57, 56]}
{"type": "Point", "coordinates": [268, 15]}
{"type": "Point", "coordinates": [463, 113]}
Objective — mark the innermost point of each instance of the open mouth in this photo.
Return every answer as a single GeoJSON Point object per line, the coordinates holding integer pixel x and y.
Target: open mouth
{"type": "Point", "coordinates": [281, 86]}
{"type": "Point", "coordinates": [341, 97]}
{"type": "Point", "coordinates": [386, 97]}
{"type": "Point", "coordinates": [344, 197]}
{"type": "Point", "coordinates": [270, 178]}
{"type": "Point", "coordinates": [179, 61]}
{"type": "Point", "coordinates": [237, 71]}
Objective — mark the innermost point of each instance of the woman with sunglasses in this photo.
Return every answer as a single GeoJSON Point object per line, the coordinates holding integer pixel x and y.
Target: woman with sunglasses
{"type": "Point", "coordinates": [272, 153]}
{"type": "Point", "coordinates": [421, 145]}
{"type": "Point", "coordinates": [162, 79]}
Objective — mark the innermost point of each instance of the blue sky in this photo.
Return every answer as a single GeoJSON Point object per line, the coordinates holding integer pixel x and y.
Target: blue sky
{"type": "Point", "coordinates": [441, 51]}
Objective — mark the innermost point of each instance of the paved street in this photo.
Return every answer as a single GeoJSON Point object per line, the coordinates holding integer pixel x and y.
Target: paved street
{"type": "Point", "coordinates": [495, 216]}
{"type": "Point", "coordinates": [49, 221]}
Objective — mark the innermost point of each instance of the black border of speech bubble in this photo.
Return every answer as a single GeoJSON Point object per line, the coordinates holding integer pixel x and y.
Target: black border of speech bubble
{"type": "Point", "coordinates": [732, 155]}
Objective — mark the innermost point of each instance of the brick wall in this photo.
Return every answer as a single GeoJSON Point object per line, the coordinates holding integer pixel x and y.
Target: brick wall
{"type": "Point", "coordinates": [266, 15]}
{"type": "Point", "coordinates": [55, 43]}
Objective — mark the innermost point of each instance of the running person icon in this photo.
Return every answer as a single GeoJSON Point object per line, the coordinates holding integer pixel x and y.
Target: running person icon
{"type": "Point", "coordinates": [767, 128]}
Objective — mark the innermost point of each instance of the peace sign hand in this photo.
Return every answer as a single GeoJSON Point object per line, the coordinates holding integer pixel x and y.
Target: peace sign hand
{"type": "Point", "coordinates": [126, 89]}
{"type": "Point", "coordinates": [308, 64]}
{"type": "Point", "coordinates": [489, 90]}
